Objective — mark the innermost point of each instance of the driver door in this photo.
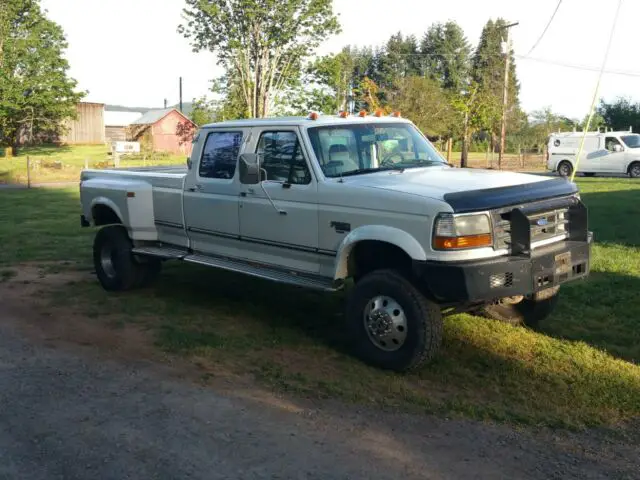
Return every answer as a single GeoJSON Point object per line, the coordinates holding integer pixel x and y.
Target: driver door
{"type": "Point", "coordinates": [279, 216]}
{"type": "Point", "coordinates": [614, 160]}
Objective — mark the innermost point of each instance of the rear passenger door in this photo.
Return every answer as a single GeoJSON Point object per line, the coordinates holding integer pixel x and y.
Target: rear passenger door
{"type": "Point", "coordinates": [211, 191]}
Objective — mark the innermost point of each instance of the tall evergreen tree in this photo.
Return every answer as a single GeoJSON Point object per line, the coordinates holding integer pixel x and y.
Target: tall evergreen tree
{"type": "Point", "coordinates": [446, 56]}
{"type": "Point", "coordinates": [488, 71]}
{"type": "Point", "coordinates": [36, 94]}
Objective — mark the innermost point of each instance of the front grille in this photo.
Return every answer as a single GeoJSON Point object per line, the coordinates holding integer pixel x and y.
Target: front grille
{"type": "Point", "coordinates": [543, 224]}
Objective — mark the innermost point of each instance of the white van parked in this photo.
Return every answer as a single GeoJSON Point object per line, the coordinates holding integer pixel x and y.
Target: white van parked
{"type": "Point", "coordinates": [603, 152]}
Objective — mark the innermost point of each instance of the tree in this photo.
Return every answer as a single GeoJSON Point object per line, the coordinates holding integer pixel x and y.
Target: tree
{"type": "Point", "coordinates": [36, 95]}
{"type": "Point", "coordinates": [203, 111]}
{"type": "Point", "coordinates": [262, 43]}
{"type": "Point", "coordinates": [488, 65]}
{"type": "Point", "coordinates": [399, 59]}
{"type": "Point", "coordinates": [336, 72]}
{"type": "Point", "coordinates": [446, 56]}
{"type": "Point", "coordinates": [422, 101]}
{"type": "Point", "coordinates": [475, 109]}
{"type": "Point", "coordinates": [620, 114]}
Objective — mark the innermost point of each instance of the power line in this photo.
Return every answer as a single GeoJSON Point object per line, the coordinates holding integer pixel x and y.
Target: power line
{"type": "Point", "coordinates": [597, 89]}
{"type": "Point", "coordinates": [545, 28]}
{"type": "Point", "coordinates": [626, 73]}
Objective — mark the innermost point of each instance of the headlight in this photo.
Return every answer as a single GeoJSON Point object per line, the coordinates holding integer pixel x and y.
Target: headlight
{"type": "Point", "coordinates": [455, 232]}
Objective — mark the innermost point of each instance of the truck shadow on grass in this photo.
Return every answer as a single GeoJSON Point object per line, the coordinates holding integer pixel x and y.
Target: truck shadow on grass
{"type": "Point", "coordinates": [295, 340]}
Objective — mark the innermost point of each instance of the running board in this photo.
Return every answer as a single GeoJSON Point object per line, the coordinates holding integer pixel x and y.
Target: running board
{"type": "Point", "coordinates": [168, 253]}
{"type": "Point", "coordinates": [268, 273]}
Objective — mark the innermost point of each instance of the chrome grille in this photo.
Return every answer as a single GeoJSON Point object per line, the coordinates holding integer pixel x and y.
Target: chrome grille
{"type": "Point", "coordinates": [544, 225]}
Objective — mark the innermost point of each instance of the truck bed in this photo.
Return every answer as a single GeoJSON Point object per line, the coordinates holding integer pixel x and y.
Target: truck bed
{"type": "Point", "coordinates": [165, 176]}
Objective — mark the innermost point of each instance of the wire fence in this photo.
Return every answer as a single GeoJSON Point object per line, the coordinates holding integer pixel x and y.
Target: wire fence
{"type": "Point", "coordinates": [33, 170]}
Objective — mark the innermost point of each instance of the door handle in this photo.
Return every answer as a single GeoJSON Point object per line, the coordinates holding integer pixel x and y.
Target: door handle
{"type": "Point", "coordinates": [251, 191]}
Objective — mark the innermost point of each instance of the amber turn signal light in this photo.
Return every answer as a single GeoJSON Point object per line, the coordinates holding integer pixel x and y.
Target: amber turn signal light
{"type": "Point", "coordinates": [469, 241]}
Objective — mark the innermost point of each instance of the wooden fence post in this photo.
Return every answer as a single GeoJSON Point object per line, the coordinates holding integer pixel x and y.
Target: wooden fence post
{"type": "Point", "coordinates": [86, 163]}
{"type": "Point", "coordinates": [28, 171]}
{"type": "Point", "coordinates": [449, 148]}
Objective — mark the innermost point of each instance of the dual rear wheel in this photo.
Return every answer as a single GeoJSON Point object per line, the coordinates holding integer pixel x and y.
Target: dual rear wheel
{"type": "Point", "coordinates": [116, 266]}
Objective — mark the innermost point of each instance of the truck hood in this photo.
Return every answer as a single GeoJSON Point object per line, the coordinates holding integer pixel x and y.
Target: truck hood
{"type": "Point", "coordinates": [467, 189]}
{"type": "Point", "coordinates": [435, 182]}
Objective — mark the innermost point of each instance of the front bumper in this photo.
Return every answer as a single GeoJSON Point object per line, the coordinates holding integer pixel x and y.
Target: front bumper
{"type": "Point", "coordinates": [487, 280]}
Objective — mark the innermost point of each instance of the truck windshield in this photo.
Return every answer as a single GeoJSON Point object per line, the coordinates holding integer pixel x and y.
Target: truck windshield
{"type": "Point", "coordinates": [631, 141]}
{"type": "Point", "coordinates": [363, 148]}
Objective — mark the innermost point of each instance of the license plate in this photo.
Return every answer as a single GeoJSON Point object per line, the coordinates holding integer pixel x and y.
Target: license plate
{"type": "Point", "coordinates": [563, 263]}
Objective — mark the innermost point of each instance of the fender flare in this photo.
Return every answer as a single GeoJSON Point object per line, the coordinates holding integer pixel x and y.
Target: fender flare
{"type": "Point", "coordinates": [381, 233]}
{"type": "Point", "coordinates": [104, 201]}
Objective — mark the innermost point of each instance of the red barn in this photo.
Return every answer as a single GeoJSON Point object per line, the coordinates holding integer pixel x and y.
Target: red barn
{"type": "Point", "coordinates": [165, 130]}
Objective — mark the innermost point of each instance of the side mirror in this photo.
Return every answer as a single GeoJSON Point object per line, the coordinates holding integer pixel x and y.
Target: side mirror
{"type": "Point", "coordinates": [617, 148]}
{"type": "Point", "coordinates": [249, 169]}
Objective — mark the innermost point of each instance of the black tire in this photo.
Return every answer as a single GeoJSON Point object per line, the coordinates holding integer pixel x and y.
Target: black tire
{"type": "Point", "coordinates": [589, 174]}
{"type": "Point", "coordinates": [423, 319]}
{"type": "Point", "coordinates": [530, 311]}
{"type": "Point", "coordinates": [148, 271]}
{"type": "Point", "coordinates": [565, 169]}
{"type": "Point", "coordinates": [112, 259]}
{"type": "Point", "coordinates": [634, 170]}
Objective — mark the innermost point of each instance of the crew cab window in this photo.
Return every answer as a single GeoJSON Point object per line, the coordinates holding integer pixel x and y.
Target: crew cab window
{"type": "Point", "coordinates": [611, 142]}
{"type": "Point", "coordinates": [282, 159]}
{"type": "Point", "coordinates": [220, 155]}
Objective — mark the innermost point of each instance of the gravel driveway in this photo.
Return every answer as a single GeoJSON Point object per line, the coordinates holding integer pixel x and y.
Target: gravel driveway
{"type": "Point", "coordinates": [67, 413]}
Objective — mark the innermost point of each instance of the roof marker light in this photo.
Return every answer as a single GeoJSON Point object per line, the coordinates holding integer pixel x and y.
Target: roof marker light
{"type": "Point", "coordinates": [343, 114]}
{"type": "Point", "coordinates": [378, 112]}
{"type": "Point", "coordinates": [396, 114]}
{"type": "Point", "coordinates": [363, 113]}
{"type": "Point", "coordinates": [313, 116]}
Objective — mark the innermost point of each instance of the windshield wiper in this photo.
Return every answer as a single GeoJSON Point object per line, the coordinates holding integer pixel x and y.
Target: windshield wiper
{"type": "Point", "coordinates": [363, 170]}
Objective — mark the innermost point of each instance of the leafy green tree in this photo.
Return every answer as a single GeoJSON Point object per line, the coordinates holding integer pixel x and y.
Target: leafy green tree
{"type": "Point", "coordinates": [203, 111]}
{"type": "Point", "coordinates": [488, 65]}
{"type": "Point", "coordinates": [400, 58]}
{"type": "Point", "coordinates": [620, 114]}
{"type": "Point", "coordinates": [337, 73]}
{"type": "Point", "coordinates": [262, 43]}
{"type": "Point", "coordinates": [36, 94]}
{"type": "Point", "coordinates": [231, 104]}
{"type": "Point", "coordinates": [446, 55]}
{"type": "Point", "coordinates": [421, 100]}
{"type": "Point", "coordinates": [475, 109]}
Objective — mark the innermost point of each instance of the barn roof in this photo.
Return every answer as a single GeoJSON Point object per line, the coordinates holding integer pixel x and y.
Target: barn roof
{"type": "Point", "coordinates": [152, 116]}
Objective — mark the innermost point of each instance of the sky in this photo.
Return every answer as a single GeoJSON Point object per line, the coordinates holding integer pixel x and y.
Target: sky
{"type": "Point", "coordinates": [128, 52]}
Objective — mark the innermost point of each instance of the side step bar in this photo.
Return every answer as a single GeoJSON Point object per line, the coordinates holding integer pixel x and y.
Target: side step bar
{"type": "Point", "coordinates": [266, 272]}
{"type": "Point", "coordinates": [168, 253]}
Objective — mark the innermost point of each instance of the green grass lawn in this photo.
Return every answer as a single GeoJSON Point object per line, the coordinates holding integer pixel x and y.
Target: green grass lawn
{"type": "Point", "coordinates": [581, 369]}
{"type": "Point", "coordinates": [51, 163]}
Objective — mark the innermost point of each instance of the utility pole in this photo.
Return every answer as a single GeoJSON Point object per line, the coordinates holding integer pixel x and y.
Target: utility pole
{"type": "Point", "coordinates": [180, 94]}
{"type": "Point", "coordinates": [165, 103]}
{"type": "Point", "coordinates": [505, 97]}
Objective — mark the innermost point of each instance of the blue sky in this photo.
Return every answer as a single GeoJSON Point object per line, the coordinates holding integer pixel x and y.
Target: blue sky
{"type": "Point", "coordinates": [129, 52]}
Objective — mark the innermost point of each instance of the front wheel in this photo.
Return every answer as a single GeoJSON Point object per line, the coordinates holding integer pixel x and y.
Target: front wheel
{"type": "Point", "coordinates": [527, 310]}
{"type": "Point", "coordinates": [392, 325]}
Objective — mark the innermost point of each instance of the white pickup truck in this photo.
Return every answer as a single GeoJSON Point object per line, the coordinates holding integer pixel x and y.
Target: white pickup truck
{"type": "Point", "coordinates": [365, 202]}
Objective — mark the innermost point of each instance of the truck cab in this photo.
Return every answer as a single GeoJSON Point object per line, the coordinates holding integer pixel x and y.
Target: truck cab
{"type": "Point", "coordinates": [359, 202]}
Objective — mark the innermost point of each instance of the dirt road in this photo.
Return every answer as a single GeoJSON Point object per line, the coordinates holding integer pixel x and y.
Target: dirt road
{"type": "Point", "coordinates": [70, 411]}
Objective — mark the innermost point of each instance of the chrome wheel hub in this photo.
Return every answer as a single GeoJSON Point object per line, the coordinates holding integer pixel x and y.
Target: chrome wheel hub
{"type": "Point", "coordinates": [385, 323]}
